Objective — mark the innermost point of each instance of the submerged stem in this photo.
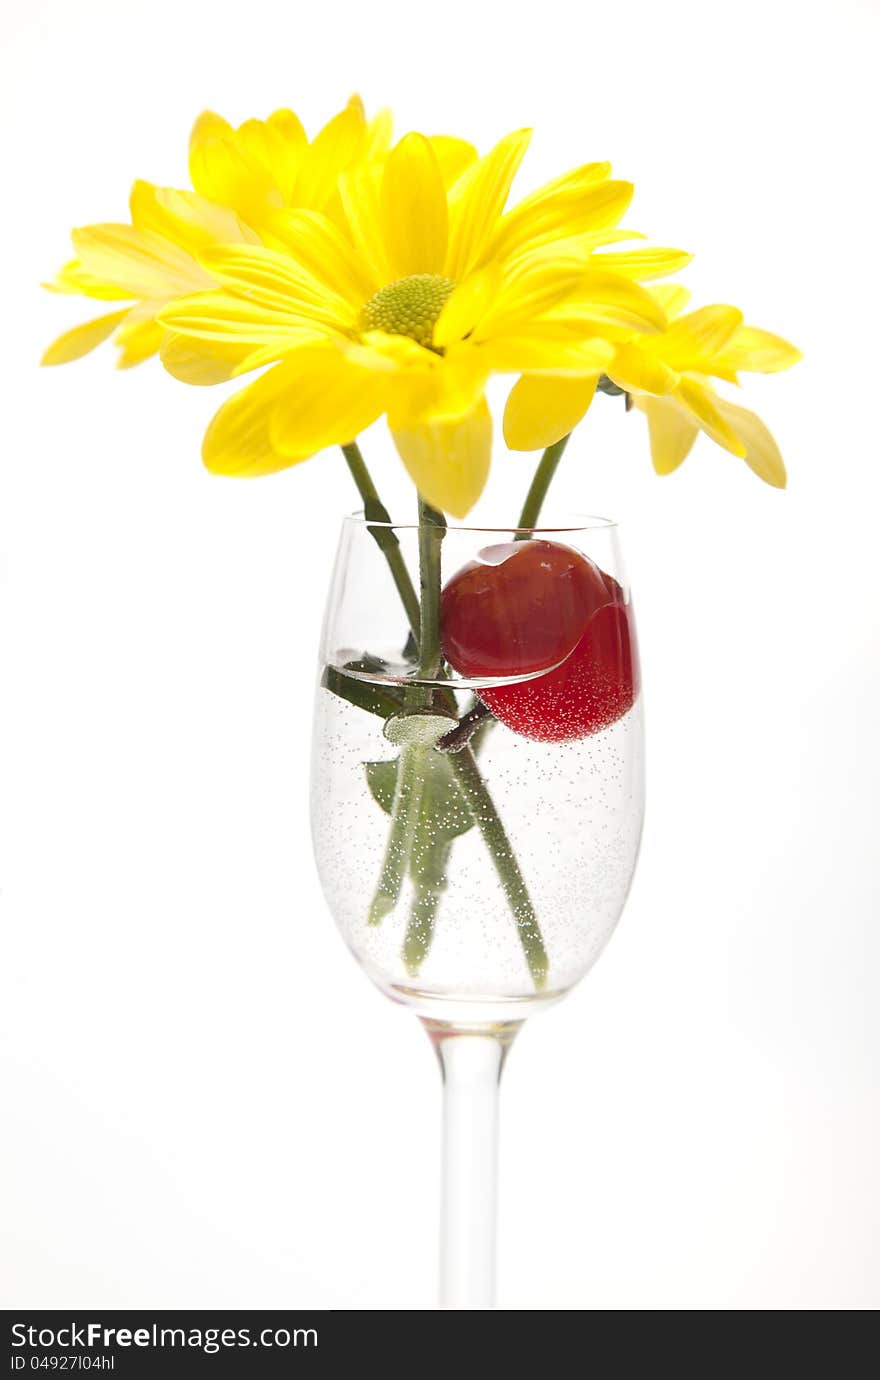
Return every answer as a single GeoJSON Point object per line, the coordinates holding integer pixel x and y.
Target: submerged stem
{"type": "Point", "coordinates": [411, 766]}
{"type": "Point", "coordinates": [428, 886]}
{"type": "Point", "coordinates": [490, 825]}
{"type": "Point", "coordinates": [404, 815]}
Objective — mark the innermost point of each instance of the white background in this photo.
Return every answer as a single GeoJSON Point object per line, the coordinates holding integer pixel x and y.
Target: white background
{"type": "Point", "coordinates": [206, 1103]}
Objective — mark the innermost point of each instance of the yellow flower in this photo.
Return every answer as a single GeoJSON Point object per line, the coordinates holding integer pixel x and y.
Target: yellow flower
{"type": "Point", "coordinates": [241, 177]}
{"type": "Point", "coordinates": [667, 376]}
{"type": "Point", "coordinates": [407, 303]}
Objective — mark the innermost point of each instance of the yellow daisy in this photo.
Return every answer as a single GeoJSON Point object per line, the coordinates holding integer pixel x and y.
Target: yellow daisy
{"type": "Point", "coordinates": [667, 376]}
{"type": "Point", "coordinates": [407, 304]}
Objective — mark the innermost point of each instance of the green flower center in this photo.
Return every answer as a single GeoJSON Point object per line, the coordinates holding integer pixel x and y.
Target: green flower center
{"type": "Point", "coordinates": [409, 307]}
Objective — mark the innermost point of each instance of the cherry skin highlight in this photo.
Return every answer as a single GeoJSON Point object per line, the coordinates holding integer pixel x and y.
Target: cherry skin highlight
{"type": "Point", "coordinates": [523, 606]}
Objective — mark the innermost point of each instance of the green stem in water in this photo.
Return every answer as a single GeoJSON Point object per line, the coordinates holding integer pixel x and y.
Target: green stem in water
{"type": "Point", "coordinates": [404, 816]}
{"type": "Point", "coordinates": [430, 868]}
{"type": "Point", "coordinates": [411, 769]}
{"type": "Point", "coordinates": [384, 535]}
{"type": "Point", "coordinates": [494, 834]}
{"type": "Point", "coordinates": [531, 510]}
{"type": "Point", "coordinates": [429, 883]}
{"type": "Point", "coordinates": [432, 529]}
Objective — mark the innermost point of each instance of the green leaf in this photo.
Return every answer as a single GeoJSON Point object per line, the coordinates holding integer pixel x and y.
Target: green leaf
{"type": "Point", "coordinates": [382, 781]}
{"type": "Point", "coordinates": [444, 811]}
{"type": "Point", "coordinates": [384, 700]}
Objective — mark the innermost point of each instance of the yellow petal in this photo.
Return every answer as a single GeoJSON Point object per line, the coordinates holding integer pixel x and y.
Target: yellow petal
{"type": "Point", "coordinates": [693, 341]}
{"type": "Point", "coordinates": [531, 287]}
{"type": "Point", "coordinates": [614, 301]}
{"type": "Point", "coordinates": [637, 371]}
{"type": "Point", "coordinates": [202, 362]}
{"type": "Point", "coordinates": [756, 351]}
{"type": "Point", "coordinates": [224, 316]}
{"type": "Point", "coordinates": [361, 192]}
{"type": "Point", "coordinates": [644, 264]}
{"type": "Point", "coordinates": [189, 220]}
{"type": "Point", "coordinates": [414, 214]}
{"type": "Point", "coordinates": [431, 388]}
{"type": "Point", "coordinates": [673, 298]}
{"type": "Point", "coordinates": [276, 146]}
{"type": "Point", "coordinates": [468, 304]}
{"type": "Point", "coordinates": [138, 341]}
{"type": "Point", "coordinates": [704, 404]}
{"type": "Point", "coordinates": [528, 353]}
{"type": "Point", "coordinates": [671, 429]}
{"type": "Point", "coordinates": [328, 401]}
{"type": "Point", "coordinates": [221, 171]}
{"type": "Point", "coordinates": [82, 339]}
{"type": "Point", "coordinates": [329, 154]}
{"type": "Point", "coordinates": [320, 247]}
{"type": "Point", "coordinates": [424, 385]}
{"type": "Point", "coordinates": [762, 455]}
{"type": "Point", "coordinates": [381, 350]}
{"type": "Point", "coordinates": [568, 188]}
{"type": "Point", "coordinates": [289, 127]}
{"type": "Point", "coordinates": [449, 461]}
{"type": "Point", "coordinates": [453, 156]}
{"type": "Point", "coordinates": [277, 282]}
{"type": "Point", "coordinates": [461, 380]}
{"type": "Point", "coordinates": [237, 441]}
{"type": "Point", "coordinates": [273, 352]}
{"type": "Point", "coordinates": [542, 409]}
{"type": "Point", "coordinates": [208, 125]}
{"type": "Point", "coordinates": [378, 134]}
{"type": "Point", "coordinates": [477, 200]}
{"type": "Point", "coordinates": [144, 264]}
{"type": "Point", "coordinates": [73, 278]}
{"type": "Point", "coordinates": [581, 204]}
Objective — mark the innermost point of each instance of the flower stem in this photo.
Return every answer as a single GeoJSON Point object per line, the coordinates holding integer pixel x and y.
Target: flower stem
{"type": "Point", "coordinates": [432, 529]}
{"type": "Point", "coordinates": [531, 510]}
{"type": "Point", "coordinates": [490, 825]}
{"type": "Point", "coordinates": [411, 764]}
{"type": "Point", "coordinates": [404, 815]}
{"type": "Point", "coordinates": [429, 885]}
{"type": "Point", "coordinates": [384, 535]}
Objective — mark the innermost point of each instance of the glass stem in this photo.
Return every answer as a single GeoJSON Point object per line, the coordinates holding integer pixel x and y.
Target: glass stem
{"type": "Point", "coordinates": [471, 1060]}
{"type": "Point", "coordinates": [384, 536]}
{"type": "Point", "coordinates": [531, 509]}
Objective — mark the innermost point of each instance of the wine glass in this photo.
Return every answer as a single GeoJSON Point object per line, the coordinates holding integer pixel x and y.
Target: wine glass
{"type": "Point", "coordinates": [477, 800]}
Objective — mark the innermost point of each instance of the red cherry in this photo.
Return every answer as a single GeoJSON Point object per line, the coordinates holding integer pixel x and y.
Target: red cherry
{"type": "Point", "coordinates": [522, 606]}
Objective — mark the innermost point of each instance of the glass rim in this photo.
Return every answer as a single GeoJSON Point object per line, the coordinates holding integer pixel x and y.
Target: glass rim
{"type": "Point", "coordinates": [574, 522]}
